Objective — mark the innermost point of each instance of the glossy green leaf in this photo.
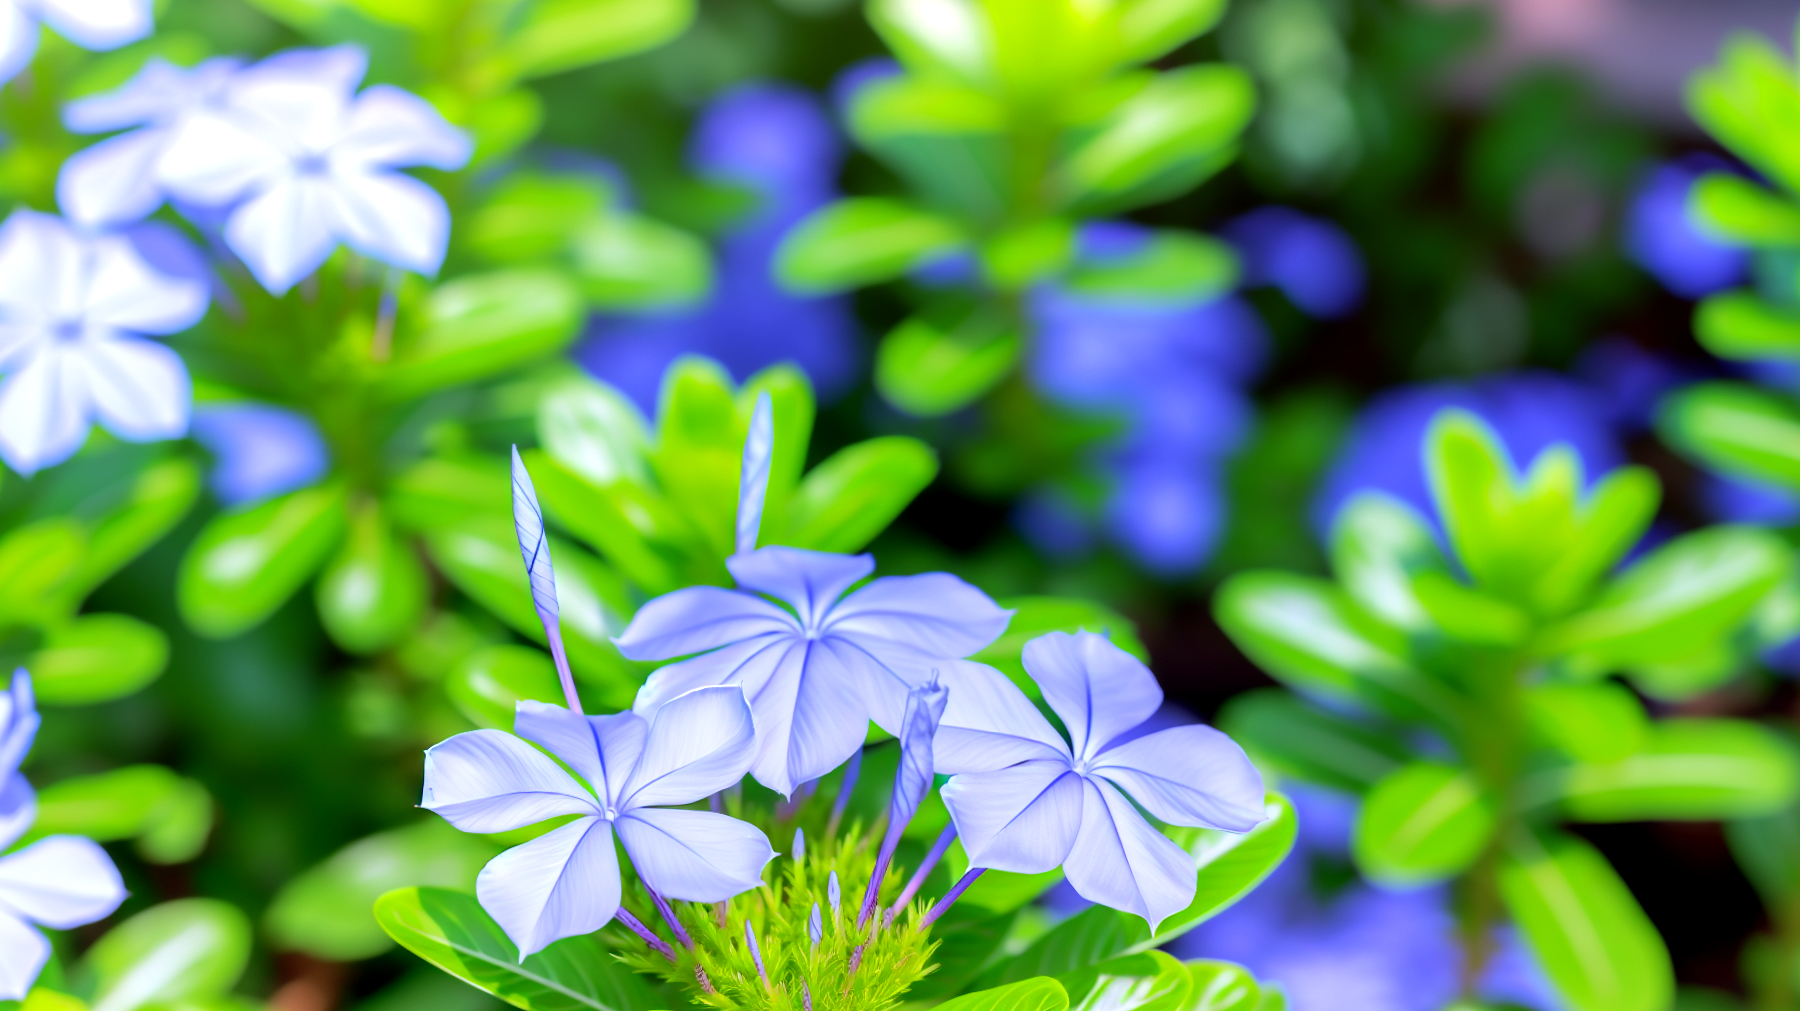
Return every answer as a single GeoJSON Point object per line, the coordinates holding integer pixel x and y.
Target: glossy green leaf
{"type": "Point", "coordinates": [1746, 102]}
{"type": "Point", "coordinates": [186, 950]}
{"type": "Point", "coordinates": [595, 431]}
{"type": "Point", "coordinates": [552, 36]}
{"type": "Point", "coordinates": [1503, 531]}
{"type": "Point", "coordinates": [97, 658]}
{"type": "Point", "coordinates": [1617, 513]}
{"type": "Point", "coordinates": [1740, 326]}
{"type": "Point", "coordinates": [38, 562]}
{"type": "Point", "coordinates": [1735, 428]}
{"type": "Point", "coordinates": [1423, 822]}
{"type": "Point", "coordinates": [444, 491]}
{"type": "Point", "coordinates": [170, 816]}
{"type": "Point", "coordinates": [623, 522]}
{"type": "Point", "coordinates": [700, 448]}
{"type": "Point", "coordinates": [1170, 135]}
{"type": "Point", "coordinates": [160, 496]}
{"type": "Point", "coordinates": [1600, 721]}
{"type": "Point", "coordinates": [482, 324]}
{"type": "Point", "coordinates": [940, 362]}
{"type": "Point", "coordinates": [1151, 28]}
{"type": "Point", "coordinates": [487, 685]}
{"type": "Point", "coordinates": [1173, 265]}
{"type": "Point", "coordinates": [1151, 981]}
{"type": "Point", "coordinates": [856, 492]}
{"type": "Point", "coordinates": [1035, 616]}
{"type": "Point", "coordinates": [1744, 213]}
{"type": "Point", "coordinates": [862, 241]}
{"type": "Point", "coordinates": [1222, 986]}
{"type": "Point", "coordinates": [1285, 735]}
{"type": "Point", "coordinates": [1378, 546]}
{"type": "Point", "coordinates": [1040, 993]}
{"type": "Point", "coordinates": [628, 261]}
{"type": "Point", "coordinates": [1465, 613]}
{"type": "Point", "coordinates": [449, 930]}
{"type": "Point", "coordinates": [374, 591]}
{"type": "Point", "coordinates": [327, 911]}
{"type": "Point", "coordinates": [245, 564]}
{"type": "Point", "coordinates": [1588, 933]}
{"type": "Point", "coordinates": [530, 216]}
{"type": "Point", "coordinates": [953, 39]}
{"type": "Point", "coordinates": [1688, 769]}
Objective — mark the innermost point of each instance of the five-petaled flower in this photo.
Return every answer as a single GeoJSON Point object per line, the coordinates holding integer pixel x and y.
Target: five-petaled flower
{"type": "Point", "coordinates": [819, 669]}
{"type": "Point", "coordinates": [70, 307]}
{"type": "Point", "coordinates": [633, 772]}
{"type": "Point", "coordinates": [1025, 799]}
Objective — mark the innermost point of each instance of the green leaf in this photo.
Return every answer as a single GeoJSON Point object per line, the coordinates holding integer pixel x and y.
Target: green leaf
{"type": "Point", "coordinates": [450, 930]}
{"type": "Point", "coordinates": [1035, 616]}
{"type": "Point", "coordinates": [244, 565]}
{"type": "Point", "coordinates": [159, 498]}
{"type": "Point", "coordinates": [441, 492]}
{"type": "Point", "coordinates": [1744, 213]}
{"type": "Point", "coordinates": [856, 492]}
{"type": "Point", "coordinates": [1040, 993]}
{"type": "Point", "coordinates": [1169, 136]}
{"type": "Point", "coordinates": [558, 35]}
{"type": "Point", "coordinates": [1589, 935]}
{"type": "Point", "coordinates": [1746, 102]}
{"type": "Point", "coordinates": [1019, 256]}
{"type": "Point", "coordinates": [1222, 986]}
{"type": "Point", "coordinates": [944, 360]}
{"type": "Point", "coordinates": [1735, 428]}
{"type": "Point", "coordinates": [531, 216]}
{"type": "Point", "coordinates": [487, 685]}
{"type": "Point", "coordinates": [1688, 769]}
{"type": "Point", "coordinates": [1468, 614]}
{"type": "Point", "coordinates": [186, 950]}
{"type": "Point", "coordinates": [1740, 326]}
{"type": "Point", "coordinates": [97, 658]}
{"type": "Point", "coordinates": [327, 913]}
{"type": "Point", "coordinates": [1597, 722]}
{"type": "Point", "coordinates": [700, 449]}
{"type": "Point", "coordinates": [595, 431]}
{"type": "Point", "coordinates": [1767, 848]}
{"type": "Point", "coordinates": [170, 816]}
{"type": "Point", "coordinates": [1691, 591]}
{"type": "Point", "coordinates": [952, 39]}
{"type": "Point", "coordinates": [628, 261]}
{"type": "Point", "coordinates": [862, 241]}
{"type": "Point", "coordinates": [1152, 981]}
{"type": "Point", "coordinates": [624, 522]}
{"type": "Point", "coordinates": [38, 562]}
{"type": "Point", "coordinates": [1151, 28]}
{"type": "Point", "coordinates": [1424, 822]}
{"type": "Point", "coordinates": [1173, 265]}
{"type": "Point", "coordinates": [1378, 546]}
{"type": "Point", "coordinates": [1617, 513]}
{"type": "Point", "coordinates": [482, 324]}
{"type": "Point", "coordinates": [1285, 735]}
{"type": "Point", "coordinates": [374, 591]}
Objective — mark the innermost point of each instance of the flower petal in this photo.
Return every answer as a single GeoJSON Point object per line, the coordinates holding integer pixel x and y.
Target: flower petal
{"type": "Point", "coordinates": [564, 883]}
{"type": "Point", "coordinates": [98, 24]}
{"type": "Point", "coordinates": [811, 715]}
{"type": "Point", "coordinates": [488, 781]}
{"type": "Point", "coordinates": [19, 722]}
{"type": "Point", "coordinates": [1191, 775]}
{"type": "Point", "coordinates": [139, 388]}
{"type": "Point", "coordinates": [259, 450]}
{"type": "Point", "coordinates": [284, 233]}
{"type": "Point", "coordinates": [601, 749]}
{"type": "Point", "coordinates": [18, 41]}
{"type": "Point", "coordinates": [157, 93]}
{"type": "Point", "coordinates": [43, 412]}
{"type": "Point", "coordinates": [809, 581]}
{"type": "Point", "coordinates": [989, 723]}
{"type": "Point", "coordinates": [1023, 818]}
{"type": "Point", "coordinates": [300, 99]}
{"type": "Point", "coordinates": [391, 217]}
{"type": "Point", "coordinates": [389, 127]}
{"type": "Point", "coordinates": [1098, 689]}
{"type": "Point", "coordinates": [63, 881]}
{"type": "Point", "coordinates": [1120, 861]}
{"type": "Point", "coordinates": [700, 743]}
{"type": "Point", "coordinates": [23, 954]}
{"type": "Point", "coordinates": [41, 267]}
{"type": "Point", "coordinates": [695, 856]}
{"type": "Point", "coordinates": [211, 159]}
{"type": "Point", "coordinates": [697, 619]}
{"type": "Point", "coordinates": [125, 293]}
{"type": "Point", "coordinates": [18, 808]}
{"type": "Point", "coordinates": [924, 712]}
{"type": "Point", "coordinates": [753, 486]}
{"type": "Point", "coordinates": [934, 616]}
{"type": "Point", "coordinates": [114, 181]}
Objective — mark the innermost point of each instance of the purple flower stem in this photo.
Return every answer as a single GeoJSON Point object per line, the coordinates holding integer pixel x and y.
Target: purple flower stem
{"type": "Point", "coordinates": [938, 849]}
{"type": "Point", "coordinates": [637, 927]}
{"type": "Point", "coordinates": [716, 803]}
{"type": "Point", "coordinates": [553, 631]}
{"type": "Point", "coordinates": [852, 769]}
{"type": "Point", "coordinates": [950, 897]}
{"type": "Point", "coordinates": [662, 906]}
{"type": "Point", "coordinates": [886, 855]}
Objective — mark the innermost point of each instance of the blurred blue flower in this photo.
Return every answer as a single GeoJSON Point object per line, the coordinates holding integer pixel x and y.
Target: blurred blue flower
{"type": "Point", "coordinates": [1662, 236]}
{"type": "Point", "coordinates": [637, 774]}
{"type": "Point", "coordinates": [1070, 803]}
{"type": "Point", "coordinates": [259, 450]}
{"type": "Point", "coordinates": [1311, 260]}
{"type": "Point", "coordinates": [1530, 411]}
{"type": "Point", "coordinates": [778, 143]}
{"type": "Point", "coordinates": [72, 307]}
{"type": "Point", "coordinates": [60, 881]}
{"type": "Point", "coordinates": [90, 24]}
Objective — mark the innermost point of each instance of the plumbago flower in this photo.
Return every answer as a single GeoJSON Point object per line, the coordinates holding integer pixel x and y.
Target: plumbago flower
{"type": "Point", "coordinates": [818, 661]}
{"type": "Point", "coordinates": [71, 307]}
{"type": "Point", "coordinates": [1024, 799]}
{"type": "Point", "coordinates": [60, 882]}
{"type": "Point", "coordinates": [90, 24]}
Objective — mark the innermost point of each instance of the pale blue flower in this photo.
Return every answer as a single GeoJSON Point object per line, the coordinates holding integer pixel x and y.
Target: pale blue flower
{"type": "Point", "coordinates": [1024, 799]}
{"type": "Point", "coordinates": [308, 163]}
{"type": "Point", "coordinates": [259, 450]}
{"type": "Point", "coordinates": [71, 307]}
{"type": "Point", "coordinates": [115, 181]}
{"type": "Point", "coordinates": [534, 550]}
{"type": "Point", "coordinates": [90, 24]}
{"type": "Point", "coordinates": [58, 882]}
{"type": "Point", "coordinates": [759, 455]}
{"type": "Point", "coordinates": [912, 780]}
{"type": "Point", "coordinates": [818, 669]}
{"type": "Point", "coordinates": [634, 773]}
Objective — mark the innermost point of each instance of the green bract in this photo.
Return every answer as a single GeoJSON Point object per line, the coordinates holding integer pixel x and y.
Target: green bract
{"type": "Point", "coordinates": [1489, 662]}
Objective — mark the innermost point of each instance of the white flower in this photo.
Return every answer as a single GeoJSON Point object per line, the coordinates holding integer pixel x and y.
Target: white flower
{"type": "Point", "coordinates": [308, 163]}
{"type": "Point", "coordinates": [90, 24]}
{"type": "Point", "coordinates": [70, 307]}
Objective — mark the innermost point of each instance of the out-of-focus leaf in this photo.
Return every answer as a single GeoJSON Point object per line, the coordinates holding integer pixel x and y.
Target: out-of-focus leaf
{"type": "Point", "coordinates": [700, 448]}
{"type": "Point", "coordinates": [953, 39]}
{"type": "Point", "coordinates": [854, 494]}
{"type": "Point", "coordinates": [1740, 326]}
{"type": "Point", "coordinates": [1152, 981]}
{"type": "Point", "coordinates": [1743, 100]}
{"type": "Point", "coordinates": [1222, 986]}
{"type": "Point", "coordinates": [327, 912]}
{"type": "Point", "coordinates": [482, 324]}
{"type": "Point", "coordinates": [556, 35]}
{"type": "Point", "coordinates": [1466, 613]}
{"type": "Point", "coordinates": [940, 362]}
{"type": "Point", "coordinates": [1176, 131]}
{"type": "Point", "coordinates": [1588, 933]}
{"type": "Point", "coordinates": [1378, 546]}
{"type": "Point", "coordinates": [628, 261]}
{"type": "Point", "coordinates": [1015, 258]}
{"type": "Point", "coordinates": [1172, 266]}
{"type": "Point", "coordinates": [444, 491]}
{"type": "Point", "coordinates": [622, 522]}
{"type": "Point", "coordinates": [159, 498]}
{"type": "Point", "coordinates": [862, 241]}
{"type": "Point", "coordinates": [1735, 428]}
{"type": "Point", "coordinates": [97, 658]}
{"type": "Point", "coordinates": [1767, 848]}
{"type": "Point", "coordinates": [970, 937]}
{"type": "Point", "coordinates": [595, 431]}
{"type": "Point", "coordinates": [186, 950]}
{"type": "Point", "coordinates": [246, 564]}
{"type": "Point", "coordinates": [1600, 721]}
{"type": "Point", "coordinates": [1284, 734]}
{"type": "Point", "coordinates": [38, 562]}
{"type": "Point", "coordinates": [1039, 993]}
{"type": "Point", "coordinates": [1743, 212]}
{"type": "Point", "coordinates": [1151, 28]}
{"type": "Point", "coordinates": [1035, 616]}
{"type": "Point", "coordinates": [530, 216]}
{"type": "Point", "coordinates": [450, 930]}
{"type": "Point", "coordinates": [373, 592]}
{"type": "Point", "coordinates": [170, 816]}
{"type": "Point", "coordinates": [488, 684]}
{"type": "Point", "coordinates": [1423, 822]}
{"type": "Point", "coordinates": [1687, 769]}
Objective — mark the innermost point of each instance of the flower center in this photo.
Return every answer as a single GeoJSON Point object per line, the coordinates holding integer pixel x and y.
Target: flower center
{"type": "Point", "coordinates": [66, 331]}
{"type": "Point", "coordinates": [311, 165]}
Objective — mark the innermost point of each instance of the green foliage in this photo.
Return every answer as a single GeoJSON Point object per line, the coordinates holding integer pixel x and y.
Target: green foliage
{"type": "Point", "coordinates": [169, 816]}
{"type": "Point", "coordinates": [1423, 822]}
{"type": "Point", "coordinates": [186, 951]}
{"type": "Point", "coordinates": [245, 564]}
